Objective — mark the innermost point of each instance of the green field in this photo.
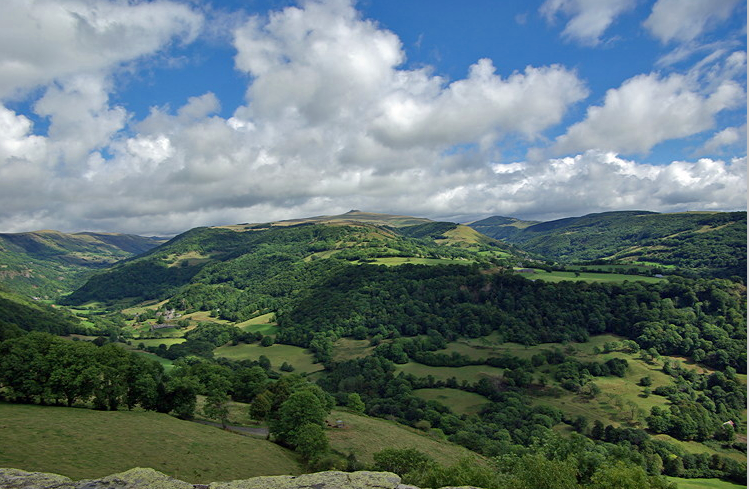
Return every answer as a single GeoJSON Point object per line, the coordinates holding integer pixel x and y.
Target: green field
{"type": "Point", "coordinates": [470, 373]}
{"type": "Point", "coordinates": [704, 483]}
{"type": "Point", "coordinates": [261, 324]}
{"type": "Point", "coordinates": [158, 341]}
{"type": "Point", "coordinates": [557, 276]}
{"type": "Point", "coordinates": [397, 260]}
{"type": "Point", "coordinates": [460, 402]}
{"type": "Point", "coordinates": [83, 443]}
{"type": "Point", "coordinates": [349, 349]}
{"type": "Point", "coordinates": [364, 436]}
{"type": "Point", "coordinates": [301, 359]}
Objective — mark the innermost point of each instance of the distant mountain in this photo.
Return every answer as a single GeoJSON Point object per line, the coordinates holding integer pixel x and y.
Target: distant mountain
{"type": "Point", "coordinates": [708, 243]}
{"type": "Point", "coordinates": [19, 314]}
{"type": "Point", "coordinates": [258, 266]}
{"type": "Point", "coordinates": [47, 263]}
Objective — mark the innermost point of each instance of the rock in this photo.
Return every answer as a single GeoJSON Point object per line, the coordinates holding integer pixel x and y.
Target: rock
{"type": "Point", "coordinates": [140, 478]}
{"type": "Point", "coordinates": [319, 480]}
{"type": "Point", "coordinates": [137, 478]}
{"type": "Point", "coordinates": [20, 479]}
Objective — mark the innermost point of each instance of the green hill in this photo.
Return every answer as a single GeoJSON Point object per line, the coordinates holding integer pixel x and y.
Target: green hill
{"type": "Point", "coordinates": [47, 264]}
{"type": "Point", "coordinates": [19, 314]}
{"type": "Point", "coordinates": [248, 269]}
{"type": "Point", "coordinates": [83, 443]}
{"type": "Point", "coordinates": [705, 243]}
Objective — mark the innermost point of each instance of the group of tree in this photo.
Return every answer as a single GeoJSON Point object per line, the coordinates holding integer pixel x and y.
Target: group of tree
{"type": "Point", "coordinates": [702, 318]}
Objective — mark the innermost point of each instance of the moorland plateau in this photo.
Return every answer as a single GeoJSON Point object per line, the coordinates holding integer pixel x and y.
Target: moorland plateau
{"type": "Point", "coordinates": [600, 351]}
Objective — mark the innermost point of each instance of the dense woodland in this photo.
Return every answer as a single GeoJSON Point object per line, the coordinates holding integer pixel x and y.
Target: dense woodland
{"type": "Point", "coordinates": [698, 244]}
{"type": "Point", "coordinates": [322, 283]}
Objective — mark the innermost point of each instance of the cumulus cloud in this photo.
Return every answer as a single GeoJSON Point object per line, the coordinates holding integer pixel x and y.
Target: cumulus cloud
{"type": "Point", "coordinates": [729, 136]}
{"type": "Point", "coordinates": [677, 20]}
{"type": "Point", "coordinates": [646, 110]}
{"type": "Point", "coordinates": [44, 40]}
{"type": "Point", "coordinates": [589, 19]}
{"type": "Point", "coordinates": [333, 120]}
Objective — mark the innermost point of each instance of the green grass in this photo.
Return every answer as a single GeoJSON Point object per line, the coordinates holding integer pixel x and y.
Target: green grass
{"type": "Point", "coordinates": [301, 359]}
{"type": "Point", "coordinates": [397, 260]}
{"type": "Point", "coordinates": [83, 443]}
{"type": "Point", "coordinates": [158, 341]}
{"type": "Point", "coordinates": [460, 402]}
{"type": "Point", "coordinates": [556, 276]}
{"type": "Point", "coordinates": [349, 349]}
{"type": "Point", "coordinates": [364, 436]}
{"type": "Point", "coordinates": [260, 324]}
{"type": "Point", "coordinates": [704, 483]}
{"type": "Point", "coordinates": [470, 373]}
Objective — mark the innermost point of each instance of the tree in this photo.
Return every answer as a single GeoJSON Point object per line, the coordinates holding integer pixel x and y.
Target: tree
{"type": "Point", "coordinates": [310, 441]}
{"type": "Point", "coordinates": [260, 406]}
{"type": "Point", "coordinates": [623, 476]}
{"type": "Point", "coordinates": [302, 407]}
{"type": "Point", "coordinates": [217, 407]}
{"type": "Point", "coordinates": [401, 461]}
{"type": "Point", "coordinates": [355, 403]}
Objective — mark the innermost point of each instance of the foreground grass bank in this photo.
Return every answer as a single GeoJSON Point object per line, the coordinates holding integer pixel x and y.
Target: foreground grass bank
{"type": "Point", "coordinates": [82, 443]}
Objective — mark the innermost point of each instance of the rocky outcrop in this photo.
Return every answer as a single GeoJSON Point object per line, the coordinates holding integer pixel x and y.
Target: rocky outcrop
{"type": "Point", "coordinates": [150, 479]}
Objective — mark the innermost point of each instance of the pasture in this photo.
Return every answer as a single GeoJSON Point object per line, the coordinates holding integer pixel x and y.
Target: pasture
{"type": "Point", "coordinates": [460, 402]}
{"type": "Point", "coordinates": [704, 483]}
{"type": "Point", "coordinates": [558, 276]}
{"type": "Point", "coordinates": [364, 436]}
{"type": "Point", "coordinates": [84, 443]}
{"type": "Point", "coordinates": [469, 373]}
{"type": "Point", "coordinates": [300, 358]}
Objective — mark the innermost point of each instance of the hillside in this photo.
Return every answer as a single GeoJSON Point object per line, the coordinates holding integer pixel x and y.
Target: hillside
{"type": "Point", "coordinates": [19, 314]}
{"type": "Point", "coordinates": [83, 443]}
{"type": "Point", "coordinates": [255, 268]}
{"type": "Point", "coordinates": [705, 243]}
{"type": "Point", "coordinates": [47, 264]}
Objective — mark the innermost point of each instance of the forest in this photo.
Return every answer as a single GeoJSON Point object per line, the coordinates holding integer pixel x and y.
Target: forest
{"type": "Point", "coordinates": [423, 303]}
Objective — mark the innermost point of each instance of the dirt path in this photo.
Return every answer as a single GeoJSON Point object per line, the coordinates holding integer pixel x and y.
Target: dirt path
{"type": "Point", "coordinates": [242, 430]}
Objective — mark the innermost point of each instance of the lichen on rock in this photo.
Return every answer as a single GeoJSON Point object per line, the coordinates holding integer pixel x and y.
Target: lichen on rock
{"type": "Point", "coordinates": [140, 478]}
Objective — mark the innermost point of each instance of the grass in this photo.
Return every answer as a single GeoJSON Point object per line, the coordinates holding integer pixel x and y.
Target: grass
{"type": "Point", "coordinates": [461, 402]}
{"type": "Point", "coordinates": [83, 443]}
{"type": "Point", "coordinates": [159, 341]}
{"type": "Point", "coordinates": [301, 359]}
{"type": "Point", "coordinates": [398, 260]}
{"type": "Point", "coordinates": [704, 483]}
{"type": "Point", "coordinates": [557, 276]}
{"type": "Point", "coordinates": [364, 436]}
{"type": "Point", "coordinates": [470, 373]}
{"type": "Point", "coordinates": [261, 324]}
{"type": "Point", "coordinates": [349, 349]}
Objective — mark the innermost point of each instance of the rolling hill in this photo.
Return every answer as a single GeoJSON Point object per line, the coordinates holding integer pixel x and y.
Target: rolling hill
{"type": "Point", "coordinates": [707, 243]}
{"type": "Point", "coordinates": [47, 264]}
{"type": "Point", "coordinates": [257, 267]}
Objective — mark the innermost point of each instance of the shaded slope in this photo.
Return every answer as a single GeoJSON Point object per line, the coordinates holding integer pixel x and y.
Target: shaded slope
{"type": "Point", "coordinates": [49, 263]}
{"type": "Point", "coordinates": [706, 243]}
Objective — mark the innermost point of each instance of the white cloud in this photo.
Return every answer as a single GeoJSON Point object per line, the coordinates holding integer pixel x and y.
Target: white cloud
{"type": "Point", "coordinates": [729, 136]}
{"type": "Point", "coordinates": [589, 19]}
{"type": "Point", "coordinates": [43, 40]}
{"type": "Point", "coordinates": [680, 20]}
{"type": "Point", "coordinates": [333, 120]}
{"type": "Point", "coordinates": [646, 110]}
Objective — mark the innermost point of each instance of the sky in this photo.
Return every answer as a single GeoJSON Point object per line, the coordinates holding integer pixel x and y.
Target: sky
{"type": "Point", "coordinates": [156, 117]}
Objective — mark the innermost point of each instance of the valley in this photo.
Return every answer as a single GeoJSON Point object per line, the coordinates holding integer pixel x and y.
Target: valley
{"type": "Point", "coordinates": [457, 344]}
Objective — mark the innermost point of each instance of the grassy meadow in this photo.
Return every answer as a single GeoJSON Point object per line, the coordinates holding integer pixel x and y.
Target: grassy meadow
{"type": "Point", "coordinates": [300, 358]}
{"type": "Point", "coordinates": [83, 443]}
{"type": "Point", "coordinates": [364, 436]}
{"type": "Point", "coordinates": [558, 276]}
{"type": "Point", "coordinates": [461, 402]}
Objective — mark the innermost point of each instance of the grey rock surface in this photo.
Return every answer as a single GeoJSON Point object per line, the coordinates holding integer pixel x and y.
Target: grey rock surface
{"type": "Point", "coordinates": [140, 478]}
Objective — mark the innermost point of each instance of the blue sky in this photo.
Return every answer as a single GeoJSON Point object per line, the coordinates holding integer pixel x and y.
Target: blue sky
{"type": "Point", "coordinates": [154, 117]}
